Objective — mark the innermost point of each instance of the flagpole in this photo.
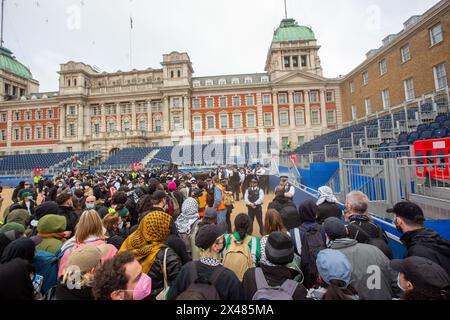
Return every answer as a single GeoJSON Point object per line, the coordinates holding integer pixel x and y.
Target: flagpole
{"type": "Point", "coordinates": [131, 51]}
{"type": "Point", "coordinates": [285, 9]}
{"type": "Point", "coordinates": [1, 36]}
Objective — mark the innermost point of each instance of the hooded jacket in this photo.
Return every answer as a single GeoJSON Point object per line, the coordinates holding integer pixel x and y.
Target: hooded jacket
{"type": "Point", "coordinates": [428, 244]}
{"type": "Point", "coordinates": [20, 216]}
{"type": "Point", "coordinates": [49, 229]}
{"type": "Point", "coordinates": [366, 260]}
{"type": "Point", "coordinates": [15, 282]}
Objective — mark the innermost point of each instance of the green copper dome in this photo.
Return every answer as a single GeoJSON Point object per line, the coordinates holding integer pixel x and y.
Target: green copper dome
{"type": "Point", "coordinates": [8, 62]}
{"type": "Point", "coordinates": [289, 30]}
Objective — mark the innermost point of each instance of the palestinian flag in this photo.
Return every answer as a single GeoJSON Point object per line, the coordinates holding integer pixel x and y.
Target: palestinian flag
{"type": "Point", "coordinates": [77, 161]}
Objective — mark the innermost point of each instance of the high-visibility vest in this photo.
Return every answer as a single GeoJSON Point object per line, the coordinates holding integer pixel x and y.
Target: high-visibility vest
{"type": "Point", "coordinates": [221, 205]}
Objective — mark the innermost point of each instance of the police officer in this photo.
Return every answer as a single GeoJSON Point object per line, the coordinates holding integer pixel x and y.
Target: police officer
{"type": "Point", "coordinates": [289, 190]}
{"type": "Point", "coordinates": [254, 197]}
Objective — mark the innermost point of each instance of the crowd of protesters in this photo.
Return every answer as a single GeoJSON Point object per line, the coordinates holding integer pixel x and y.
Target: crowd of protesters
{"type": "Point", "coordinates": [166, 235]}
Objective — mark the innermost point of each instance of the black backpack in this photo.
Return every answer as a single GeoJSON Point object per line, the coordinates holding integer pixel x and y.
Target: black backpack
{"type": "Point", "coordinates": [202, 290]}
{"type": "Point", "coordinates": [312, 243]}
{"type": "Point", "coordinates": [380, 242]}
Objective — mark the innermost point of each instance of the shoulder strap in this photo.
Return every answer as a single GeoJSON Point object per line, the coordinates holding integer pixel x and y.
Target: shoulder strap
{"type": "Point", "coordinates": [253, 249]}
{"type": "Point", "coordinates": [166, 282]}
{"type": "Point", "coordinates": [260, 279]}
{"type": "Point", "coordinates": [216, 274]}
{"type": "Point", "coordinates": [298, 243]}
{"type": "Point", "coordinates": [361, 230]}
{"type": "Point", "coordinates": [289, 286]}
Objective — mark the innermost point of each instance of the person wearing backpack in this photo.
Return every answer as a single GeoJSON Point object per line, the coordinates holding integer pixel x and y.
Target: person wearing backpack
{"type": "Point", "coordinates": [365, 260]}
{"type": "Point", "coordinates": [51, 229]}
{"type": "Point", "coordinates": [207, 279]}
{"type": "Point", "coordinates": [309, 238]}
{"type": "Point", "coordinates": [360, 226]}
{"type": "Point", "coordinates": [80, 267]}
{"type": "Point", "coordinates": [254, 197]}
{"type": "Point", "coordinates": [186, 221]}
{"type": "Point", "coordinates": [242, 251]}
{"type": "Point", "coordinates": [210, 217]}
{"type": "Point", "coordinates": [335, 275]}
{"type": "Point", "coordinates": [274, 281]}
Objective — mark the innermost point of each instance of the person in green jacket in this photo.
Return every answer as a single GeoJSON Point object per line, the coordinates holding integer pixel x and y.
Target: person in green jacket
{"type": "Point", "coordinates": [51, 228]}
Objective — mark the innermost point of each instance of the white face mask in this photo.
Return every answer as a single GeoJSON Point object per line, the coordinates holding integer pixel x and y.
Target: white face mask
{"type": "Point", "coordinates": [120, 225]}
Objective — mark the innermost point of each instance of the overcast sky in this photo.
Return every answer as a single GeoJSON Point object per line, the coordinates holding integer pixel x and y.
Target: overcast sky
{"type": "Point", "coordinates": [220, 36]}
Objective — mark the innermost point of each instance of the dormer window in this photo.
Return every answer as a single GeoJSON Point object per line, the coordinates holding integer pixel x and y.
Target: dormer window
{"type": "Point", "coordinates": [248, 80]}
{"type": "Point", "coordinates": [209, 83]}
{"type": "Point", "coordinates": [196, 84]}
{"type": "Point", "coordinates": [235, 81]}
{"type": "Point", "coordinates": [222, 82]}
{"type": "Point", "coordinates": [265, 79]}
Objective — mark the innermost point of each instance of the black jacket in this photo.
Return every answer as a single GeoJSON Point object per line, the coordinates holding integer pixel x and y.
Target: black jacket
{"type": "Point", "coordinates": [278, 203]}
{"type": "Point", "coordinates": [275, 276]}
{"type": "Point", "coordinates": [179, 196]}
{"type": "Point", "coordinates": [71, 217]}
{"type": "Point", "coordinates": [369, 227]}
{"type": "Point", "coordinates": [290, 217]}
{"type": "Point", "coordinates": [156, 271]}
{"type": "Point", "coordinates": [428, 244]}
{"type": "Point", "coordinates": [327, 210]}
{"type": "Point", "coordinates": [228, 286]}
{"type": "Point", "coordinates": [63, 293]}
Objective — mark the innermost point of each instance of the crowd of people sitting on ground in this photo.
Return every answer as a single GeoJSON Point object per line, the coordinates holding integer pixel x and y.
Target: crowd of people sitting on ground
{"type": "Point", "coordinates": [164, 235]}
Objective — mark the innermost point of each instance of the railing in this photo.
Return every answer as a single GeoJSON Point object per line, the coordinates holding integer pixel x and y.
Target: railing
{"type": "Point", "coordinates": [430, 190]}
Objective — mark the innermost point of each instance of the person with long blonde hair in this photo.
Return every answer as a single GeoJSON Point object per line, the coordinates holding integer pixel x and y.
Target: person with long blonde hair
{"type": "Point", "coordinates": [88, 231]}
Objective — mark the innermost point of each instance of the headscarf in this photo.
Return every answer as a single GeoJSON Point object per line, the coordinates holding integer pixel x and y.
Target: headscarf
{"type": "Point", "coordinates": [12, 226]}
{"type": "Point", "coordinates": [147, 240]}
{"type": "Point", "coordinates": [8, 237]}
{"type": "Point", "coordinates": [21, 248]}
{"type": "Point", "coordinates": [326, 194]}
{"type": "Point", "coordinates": [15, 281]}
{"type": "Point", "coordinates": [188, 216]}
{"type": "Point", "coordinates": [308, 211]}
{"type": "Point", "coordinates": [20, 216]}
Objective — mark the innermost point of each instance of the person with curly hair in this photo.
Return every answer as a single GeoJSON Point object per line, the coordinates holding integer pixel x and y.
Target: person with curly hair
{"type": "Point", "coordinates": [121, 278]}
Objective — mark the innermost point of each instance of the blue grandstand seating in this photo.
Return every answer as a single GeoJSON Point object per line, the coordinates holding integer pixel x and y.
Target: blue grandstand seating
{"type": "Point", "coordinates": [440, 133]}
{"type": "Point", "coordinates": [23, 162]}
{"type": "Point", "coordinates": [434, 126]}
{"type": "Point", "coordinates": [422, 127]}
{"type": "Point", "coordinates": [441, 118]}
{"type": "Point", "coordinates": [425, 135]}
{"type": "Point", "coordinates": [127, 156]}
